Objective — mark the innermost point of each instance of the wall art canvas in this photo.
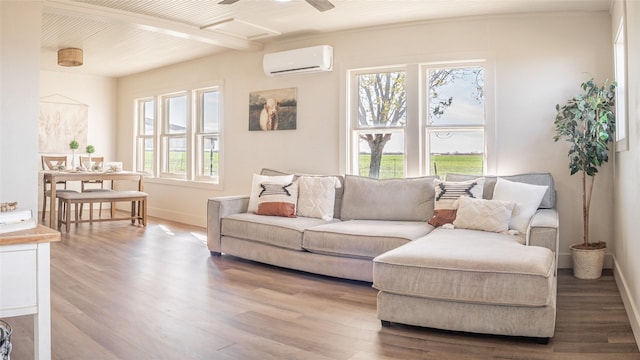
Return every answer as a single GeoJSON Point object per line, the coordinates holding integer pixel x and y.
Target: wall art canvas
{"type": "Point", "coordinates": [273, 110]}
{"type": "Point", "coordinates": [59, 123]}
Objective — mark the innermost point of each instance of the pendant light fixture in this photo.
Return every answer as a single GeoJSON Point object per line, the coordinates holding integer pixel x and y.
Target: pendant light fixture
{"type": "Point", "coordinates": [70, 57]}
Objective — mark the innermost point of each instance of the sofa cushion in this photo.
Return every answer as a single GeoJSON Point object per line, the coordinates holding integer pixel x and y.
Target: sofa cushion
{"type": "Point", "coordinates": [274, 230]}
{"type": "Point", "coordinates": [468, 266]}
{"type": "Point", "coordinates": [409, 199]}
{"type": "Point", "coordinates": [256, 189]}
{"type": "Point", "coordinates": [316, 196]}
{"type": "Point", "coordinates": [362, 238]}
{"type": "Point", "coordinates": [448, 192]}
{"type": "Point", "coordinates": [278, 199]}
{"type": "Point", "coordinates": [548, 201]}
{"type": "Point", "coordinates": [339, 189]}
{"type": "Point", "coordinates": [527, 198]}
{"type": "Point", "coordinates": [482, 214]}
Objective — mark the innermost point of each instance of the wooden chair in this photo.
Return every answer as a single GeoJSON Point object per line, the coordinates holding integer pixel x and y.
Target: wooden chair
{"type": "Point", "coordinates": [97, 162]}
{"type": "Point", "coordinates": [53, 163]}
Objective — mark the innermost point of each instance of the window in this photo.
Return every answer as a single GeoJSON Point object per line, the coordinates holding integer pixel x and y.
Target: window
{"type": "Point", "coordinates": [174, 137]}
{"type": "Point", "coordinates": [207, 134]}
{"type": "Point", "coordinates": [145, 139]}
{"type": "Point", "coordinates": [442, 130]}
{"type": "Point", "coordinates": [621, 91]}
{"type": "Point", "coordinates": [455, 120]}
{"type": "Point", "coordinates": [178, 135]}
{"type": "Point", "coordinates": [378, 133]}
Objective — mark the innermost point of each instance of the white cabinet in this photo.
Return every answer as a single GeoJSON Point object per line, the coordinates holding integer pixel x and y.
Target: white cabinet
{"type": "Point", "coordinates": [18, 275]}
{"type": "Point", "coordinates": [25, 280]}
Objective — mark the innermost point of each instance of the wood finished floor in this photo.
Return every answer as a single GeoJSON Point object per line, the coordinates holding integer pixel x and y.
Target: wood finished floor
{"type": "Point", "coordinates": [124, 292]}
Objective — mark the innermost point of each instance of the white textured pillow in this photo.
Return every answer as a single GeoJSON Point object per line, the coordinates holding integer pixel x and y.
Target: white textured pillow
{"type": "Point", "coordinates": [316, 196]}
{"type": "Point", "coordinates": [527, 198]}
{"type": "Point", "coordinates": [255, 188]}
{"type": "Point", "coordinates": [485, 215]}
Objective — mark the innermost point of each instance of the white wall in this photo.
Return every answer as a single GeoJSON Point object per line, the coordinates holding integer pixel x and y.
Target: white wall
{"type": "Point", "coordinates": [20, 24]}
{"type": "Point", "coordinates": [99, 94]}
{"type": "Point", "coordinates": [540, 61]}
{"type": "Point", "coordinates": [627, 172]}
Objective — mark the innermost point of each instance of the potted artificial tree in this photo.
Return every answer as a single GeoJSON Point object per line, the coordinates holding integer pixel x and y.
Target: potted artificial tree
{"type": "Point", "coordinates": [587, 122]}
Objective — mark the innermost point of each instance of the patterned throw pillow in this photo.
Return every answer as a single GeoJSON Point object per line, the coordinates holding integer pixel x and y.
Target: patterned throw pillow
{"type": "Point", "coordinates": [446, 199]}
{"type": "Point", "coordinates": [255, 188]}
{"type": "Point", "coordinates": [278, 199]}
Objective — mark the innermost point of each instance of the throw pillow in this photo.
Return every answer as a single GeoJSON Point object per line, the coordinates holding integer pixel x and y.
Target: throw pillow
{"type": "Point", "coordinates": [442, 216]}
{"type": "Point", "coordinates": [527, 198]}
{"type": "Point", "coordinates": [317, 196]}
{"type": "Point", "coordinates": [255, 188]}
{"type": "Point", "coordinates": [278, 199]}
{"type": "Point", "coordinates": [485, 215]}
{"type": "Point", "coordinates": [447, 192]}
{"type": "Point", "coordinates": [408, 199]}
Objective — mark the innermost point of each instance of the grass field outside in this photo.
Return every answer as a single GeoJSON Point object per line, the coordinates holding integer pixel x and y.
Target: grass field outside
{"type": "Point", "coordinates": [392, 165]}
{"type": "Point", "coordinates": [178, 162]}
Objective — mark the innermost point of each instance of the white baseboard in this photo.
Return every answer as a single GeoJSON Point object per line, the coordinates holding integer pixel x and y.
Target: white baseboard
{"type": "Point", "coordinates": [189, 219]}
{"type": "Point", "coordinates": [629, 302]}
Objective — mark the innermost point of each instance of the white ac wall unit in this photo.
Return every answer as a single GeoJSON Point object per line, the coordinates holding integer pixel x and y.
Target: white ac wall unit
{"type": "Point", "coordinates": [298, 61]}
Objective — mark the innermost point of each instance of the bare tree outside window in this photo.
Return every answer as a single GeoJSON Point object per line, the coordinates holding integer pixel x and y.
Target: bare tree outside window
{"type": "Point", "coordinates": [382, 104]}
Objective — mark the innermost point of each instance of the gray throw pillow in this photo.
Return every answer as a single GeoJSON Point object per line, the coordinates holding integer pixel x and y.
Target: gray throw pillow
{"type": "Point", "coordinates": [409, 199]}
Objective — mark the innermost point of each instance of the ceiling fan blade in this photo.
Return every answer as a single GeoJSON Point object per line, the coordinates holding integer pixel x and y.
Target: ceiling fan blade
{"type": "Point", "coordinates": [228, 2]}
{"type": "Point", "coordinates": [321, 5]}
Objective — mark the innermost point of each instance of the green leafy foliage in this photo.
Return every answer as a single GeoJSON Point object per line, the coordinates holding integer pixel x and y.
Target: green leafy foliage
{"type": "Point", "coordinates": [588, 123]}
{"type": "Point", "coordinates": [73, 145]}
{"type": "Point", "coordinates": [90, 149]}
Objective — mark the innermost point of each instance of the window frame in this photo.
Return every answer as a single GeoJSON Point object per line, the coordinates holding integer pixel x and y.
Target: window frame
{"type": "Point", "coordinates": [200, 134]}
{"type": "Point", "coordinates": [192, 134]}
{"type": "Point", "coordinates": [417, 163]}
{"type": "Point", "coordinates": [428, 128]}
{"type": "Point", "coordinates": [621, 70]}
{"type": "Point", "coordinates": [353, 143]}
{"type": "Point", "coordinates": [166, 136]}
{"type": "Point", "coordinates": [141, 135]}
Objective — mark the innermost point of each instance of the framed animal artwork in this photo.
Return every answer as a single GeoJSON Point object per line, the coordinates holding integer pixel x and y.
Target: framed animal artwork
{"type": "Point", "coordinates": [273, 110]}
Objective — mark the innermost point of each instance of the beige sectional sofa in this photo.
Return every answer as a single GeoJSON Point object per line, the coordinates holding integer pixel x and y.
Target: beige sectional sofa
{"type": "Point", "coordinates": [460, 279]}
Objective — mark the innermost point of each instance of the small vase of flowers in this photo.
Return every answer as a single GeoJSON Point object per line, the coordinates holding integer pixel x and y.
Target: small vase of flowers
{"type": "Point", "coordinates": [90, 150]}
{"type": "Point", "coordinates": [73, 145]}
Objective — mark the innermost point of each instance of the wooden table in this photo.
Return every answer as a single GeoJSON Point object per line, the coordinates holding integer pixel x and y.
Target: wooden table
{"type": "Point", "coordinates": [54, 176]}
{"type": "Point", "coordinates": [25, 281]}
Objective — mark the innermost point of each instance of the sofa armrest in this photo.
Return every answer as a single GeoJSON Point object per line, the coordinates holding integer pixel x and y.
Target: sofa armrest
{"type": "Point", "coordinates": [543, 229]}
{"type": "Point", "coordinates": [217, 208]}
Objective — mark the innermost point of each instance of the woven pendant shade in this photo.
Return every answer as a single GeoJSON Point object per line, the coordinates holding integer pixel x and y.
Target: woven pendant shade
{"type": "Point", "coordinates": [70, 57]}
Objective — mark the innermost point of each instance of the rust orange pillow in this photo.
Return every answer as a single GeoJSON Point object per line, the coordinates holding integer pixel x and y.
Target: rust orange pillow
{"type": "Point", "coordinates": [443, 216]}
{"type": "Point", "coordinates": [278, 199]}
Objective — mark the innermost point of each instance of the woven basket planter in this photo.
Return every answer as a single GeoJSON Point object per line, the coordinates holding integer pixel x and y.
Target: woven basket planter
{"type": "Point", "coordinates": [587, 264]}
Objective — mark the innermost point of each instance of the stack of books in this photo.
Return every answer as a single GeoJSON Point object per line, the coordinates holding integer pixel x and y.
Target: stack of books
{"type": "Point", "coordinates": [16, 220]}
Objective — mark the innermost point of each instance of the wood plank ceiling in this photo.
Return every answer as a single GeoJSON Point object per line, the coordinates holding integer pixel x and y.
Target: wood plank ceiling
{"type": "Point", "coordinates": [122, 37]}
